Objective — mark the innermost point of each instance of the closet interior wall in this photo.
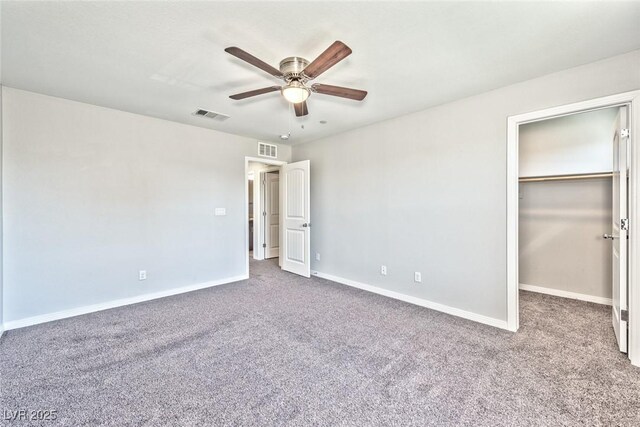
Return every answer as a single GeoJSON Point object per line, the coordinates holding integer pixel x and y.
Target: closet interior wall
{"type": "Point", "coordinates": [561, 222]}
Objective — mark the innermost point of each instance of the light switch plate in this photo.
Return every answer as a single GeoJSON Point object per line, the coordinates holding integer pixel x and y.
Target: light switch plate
{"type": "Point", "coordinates": [221, 211]}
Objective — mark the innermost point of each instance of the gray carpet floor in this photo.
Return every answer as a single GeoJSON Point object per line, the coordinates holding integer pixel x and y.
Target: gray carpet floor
{"type": "Point", "coordinates": [279, 350]}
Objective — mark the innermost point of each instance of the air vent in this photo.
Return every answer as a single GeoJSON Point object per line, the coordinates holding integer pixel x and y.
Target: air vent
{"type": "Point", "coordinates": [211, 115]}
{"type": "Point", "coordinates": [267, 150]}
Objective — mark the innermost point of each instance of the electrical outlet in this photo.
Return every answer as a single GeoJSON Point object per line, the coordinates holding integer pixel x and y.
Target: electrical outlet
{"type": "Point", "coordinates": [142, 275]}
{"type": "Point", "coordinates": [317, 256]}
{"type": "Point", "coordinates": [383, 270]}
{"type": "Point", "coordinates": [417, 277]}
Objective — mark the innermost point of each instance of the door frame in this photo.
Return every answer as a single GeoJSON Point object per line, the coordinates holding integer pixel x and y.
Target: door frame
{"type": "Point", "coordinates": [632, 100]}
{"type": "Point", "coordinates": [265, 161]}
{"type": "Point", "coordinates": [259, 226]}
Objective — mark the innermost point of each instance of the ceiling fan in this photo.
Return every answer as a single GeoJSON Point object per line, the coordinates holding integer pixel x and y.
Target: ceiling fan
{"type": "Point", "coordinates": [296, 73]}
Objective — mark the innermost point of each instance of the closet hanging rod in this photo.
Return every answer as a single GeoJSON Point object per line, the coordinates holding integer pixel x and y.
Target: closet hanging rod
{"type": "Point", "coordinates": [566, 177]}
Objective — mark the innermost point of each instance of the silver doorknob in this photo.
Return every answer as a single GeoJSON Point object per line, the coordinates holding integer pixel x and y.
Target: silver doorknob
{"type": "Point", "coordinates": [305, 225]}
{"type": "Point", "coordinates": [609, 236]}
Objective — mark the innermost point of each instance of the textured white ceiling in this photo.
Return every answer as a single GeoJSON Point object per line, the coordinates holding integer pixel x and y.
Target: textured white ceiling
{"type": "Point", "coordinates": [167, 59]}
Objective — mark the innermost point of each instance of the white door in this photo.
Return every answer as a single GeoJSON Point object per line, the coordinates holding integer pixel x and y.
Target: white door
{"type": "Point", "coordinates": [271, 214]}
{"type": "Point", "coordinates": [619, 229]}
{"type": "Point", "coordinates": [296, 221]}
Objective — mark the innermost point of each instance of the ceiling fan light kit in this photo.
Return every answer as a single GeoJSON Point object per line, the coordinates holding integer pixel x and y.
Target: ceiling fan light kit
{"type": "Point", "coordinates": [296, 73]}
{"type": "Point", "coordinates": [295, 92]}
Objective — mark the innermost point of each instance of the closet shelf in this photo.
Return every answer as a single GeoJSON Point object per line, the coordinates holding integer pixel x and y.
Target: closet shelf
{"type": "Point", "coordinates": [566, 177]}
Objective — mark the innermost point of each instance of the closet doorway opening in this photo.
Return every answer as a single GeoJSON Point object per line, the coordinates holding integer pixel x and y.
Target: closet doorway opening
{"type": "Point", "coordinates": [571, 206]}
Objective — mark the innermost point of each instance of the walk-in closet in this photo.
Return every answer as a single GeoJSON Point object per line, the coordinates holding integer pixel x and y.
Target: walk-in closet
{"type": "Point", "coordinates": [565, 205]}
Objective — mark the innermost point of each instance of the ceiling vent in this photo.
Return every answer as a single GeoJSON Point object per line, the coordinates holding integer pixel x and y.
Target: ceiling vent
{"type": "Point", "coordinates": [211, 115]}
{"type": "Point", "coordinates": [267, 150]}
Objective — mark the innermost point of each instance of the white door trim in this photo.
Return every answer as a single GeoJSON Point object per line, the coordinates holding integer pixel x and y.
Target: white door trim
{"type": "Point", "coordinates": [632, 99]}
{"type": "Point", "coordinates": [248, 159]}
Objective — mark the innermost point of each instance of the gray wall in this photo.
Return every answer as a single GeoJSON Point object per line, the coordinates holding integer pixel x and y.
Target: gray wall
{"type": "Point", "coordinates": [1, 219]}
{"type": "Point", "coordinates": [427, 191]}
{"type": "Point", "coordinates": [560, 235]}
{"type": "Point", "coordinates": [1, 186]}
{"type": "Point", "coordinates": [93, 195]}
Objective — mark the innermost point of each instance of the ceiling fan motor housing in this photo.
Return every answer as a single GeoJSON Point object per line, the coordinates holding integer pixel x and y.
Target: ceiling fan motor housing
{"type": "Point", "coordinates": [292, 67]}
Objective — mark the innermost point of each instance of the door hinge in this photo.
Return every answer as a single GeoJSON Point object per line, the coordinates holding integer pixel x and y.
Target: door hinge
{"type": "Point", "coordinates": [624, 315]}
{"type": "Point", "coordinates": [264, 245]}
{"type": "Point", "coordinates": [625, 133]}
{"type": "Point", "coordinates": [264, 213]}
{"type": "Point", "coordinates": [624, 224]}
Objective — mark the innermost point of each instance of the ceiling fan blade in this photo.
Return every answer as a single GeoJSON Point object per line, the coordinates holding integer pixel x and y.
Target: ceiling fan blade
{"type": "Point", "coordinates": [247, 57]}
{"type": "Point", "coordinates": [301, 109]}
{"type": "Point", "coordinates": [251, 93]}
{"type": "Point", "coordinates": [327, 59]}
{"type": "Point", "coordinates": [343, 92]}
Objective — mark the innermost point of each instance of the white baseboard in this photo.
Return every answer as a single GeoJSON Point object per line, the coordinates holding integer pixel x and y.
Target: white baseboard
{"type": "Point", "coordinates": [565, 294]}
{"type": "Point", "coordinates": [502, 324]}
{"type": "Point", "coordinates": [34, 320]}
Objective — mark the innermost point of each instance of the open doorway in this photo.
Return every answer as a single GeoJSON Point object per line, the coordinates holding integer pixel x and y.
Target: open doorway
{"type": "Point", "coordinates": [263, 210]}
{"type": "Point", "coordinates": [566, 200]}
{"type": "Point", "coordinates": [570, 199]}
{"type": "Point", "coordinates": [278, 213]}
{"type": "Point", "coordinates": [565, 205]}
